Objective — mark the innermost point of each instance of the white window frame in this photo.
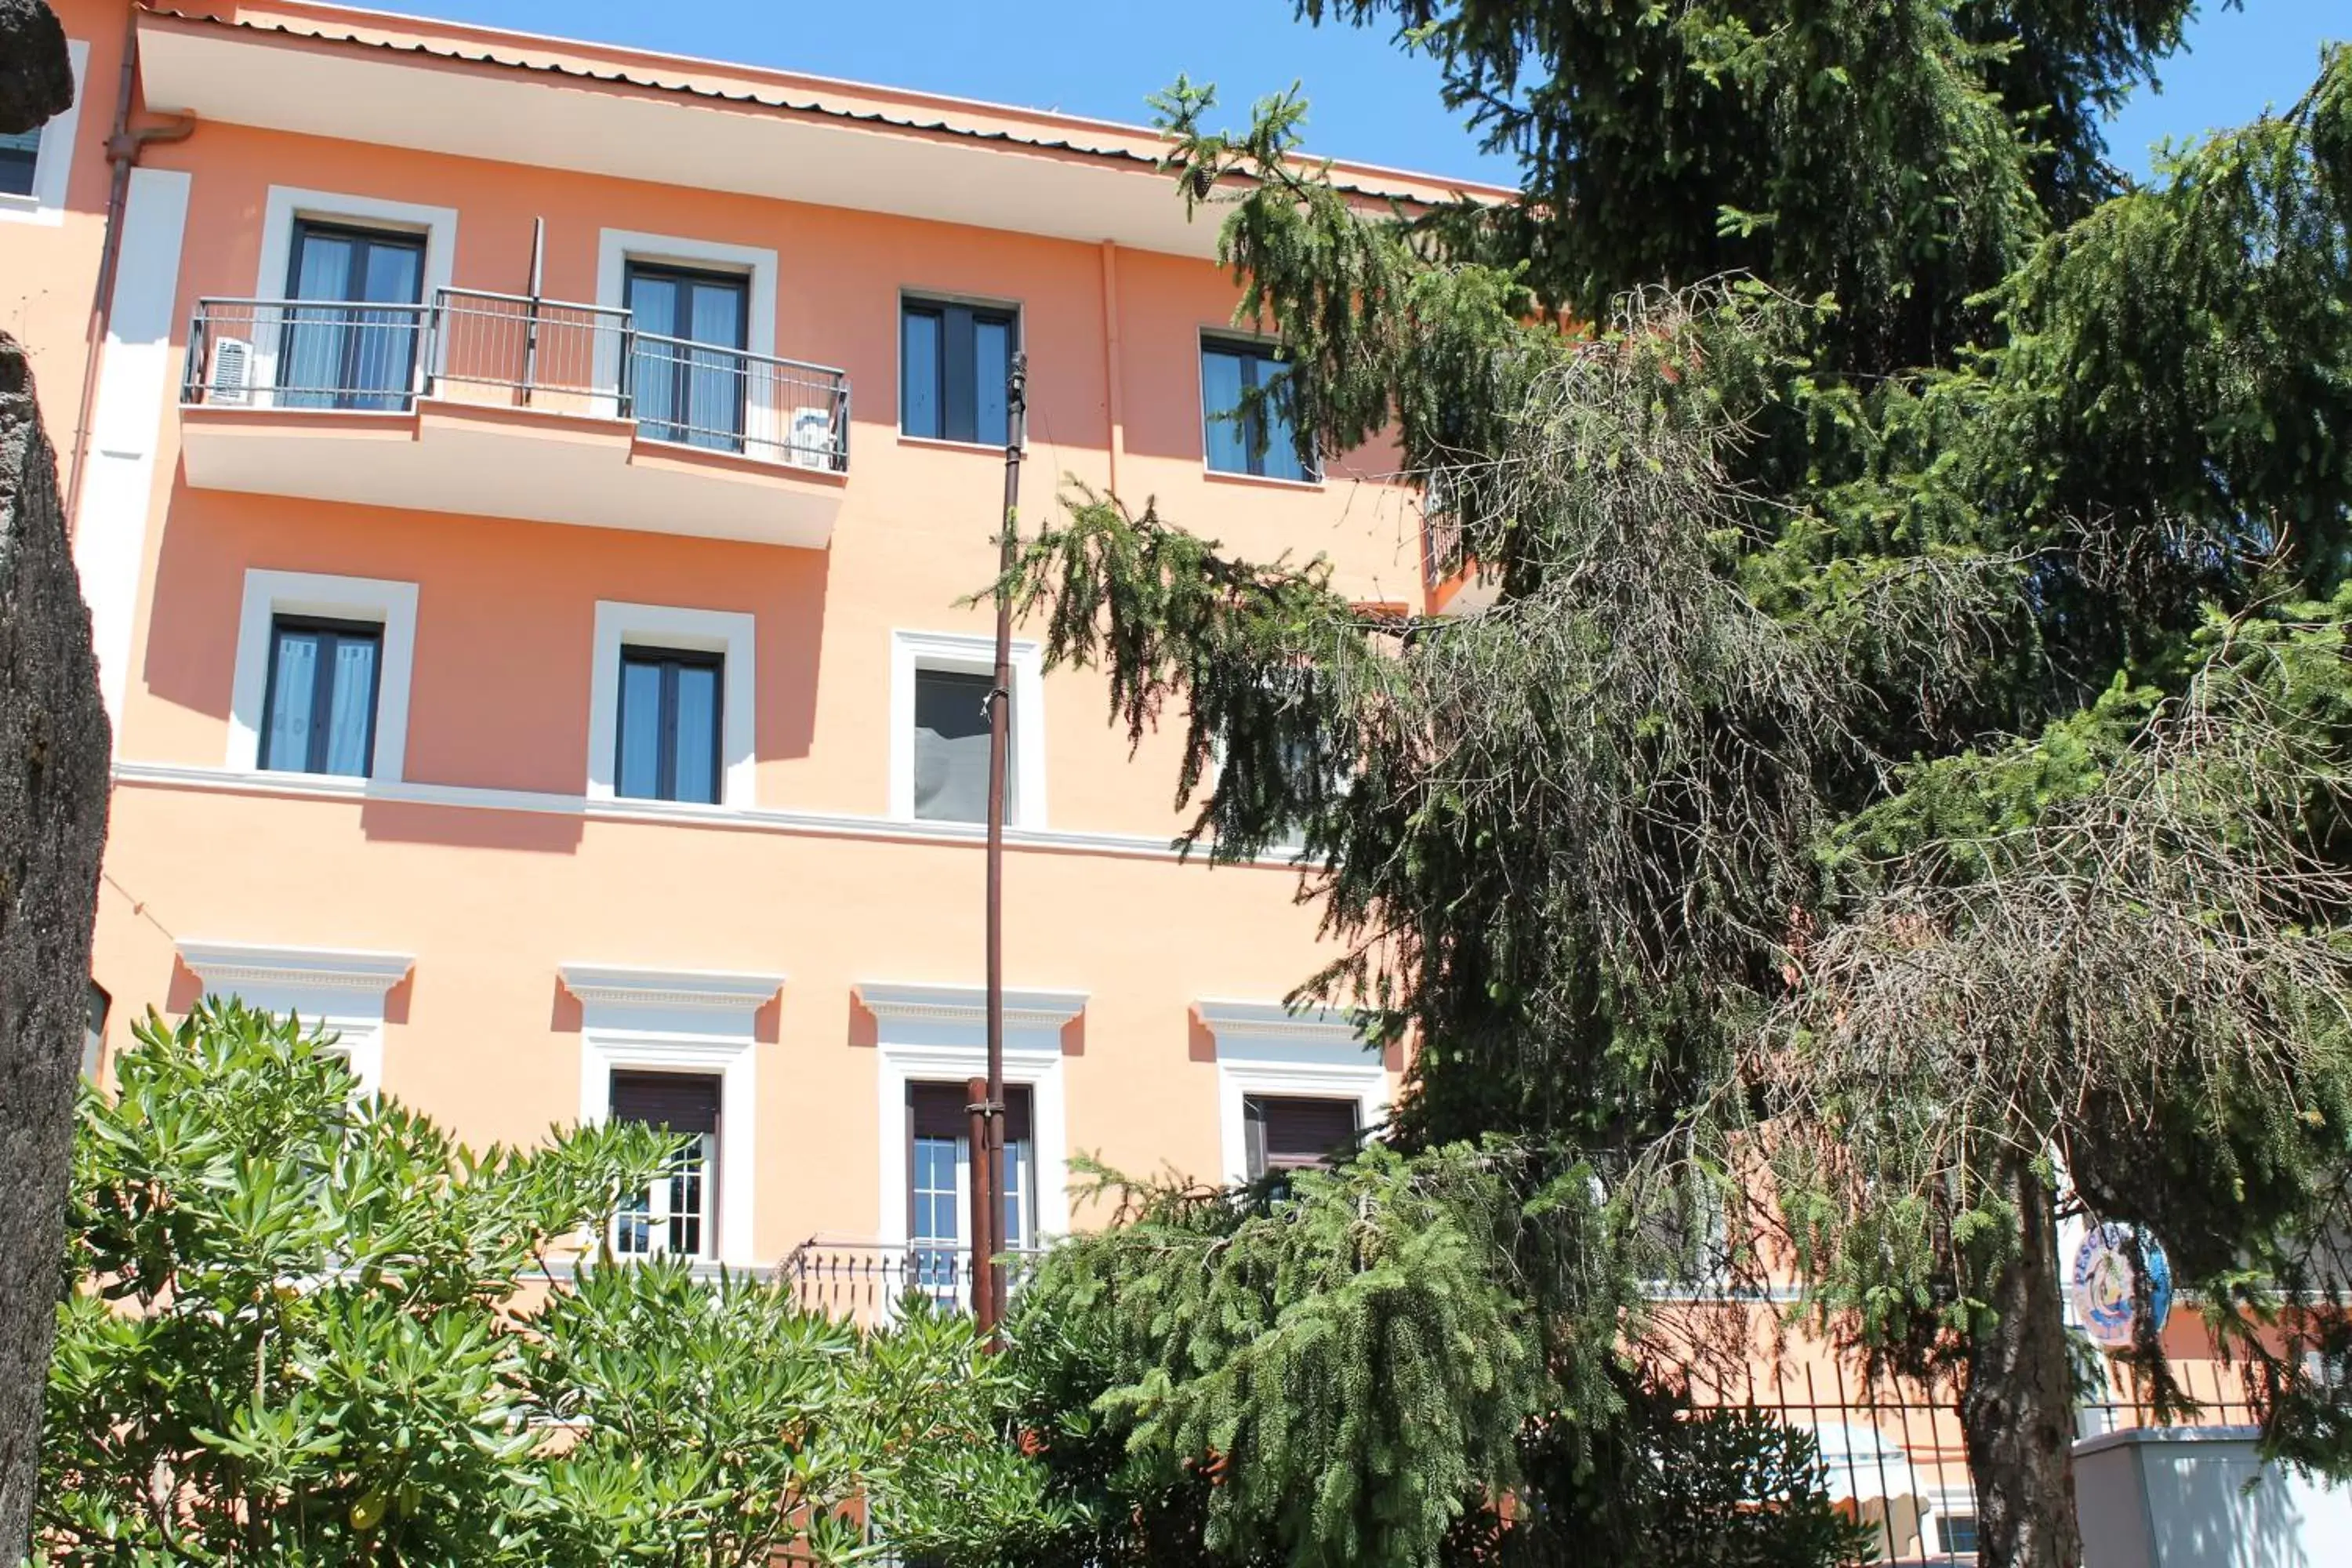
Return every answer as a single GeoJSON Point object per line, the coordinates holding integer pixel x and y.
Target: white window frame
{"type": "Point", "coordinates": [961, 654]}
{"type": "Point", "coordinates": [53, 160]}
{"type": "Point", "coordinates": [343, 990]}
{"type": "Point", "coordinates": [692, 1021]}
{"type": "Point", "coordinates": [730, 634]}
{"type": "Point", "coordinates": [268, 594]}
{"type": "Point", "coordinates": [287, 205]}
{"type": "Point", "coordinates": [616, 248]}
{"type": "Point", "coordinates": [938, 1034]}
{"type": "Point", "coordinates": [1264, 1048]}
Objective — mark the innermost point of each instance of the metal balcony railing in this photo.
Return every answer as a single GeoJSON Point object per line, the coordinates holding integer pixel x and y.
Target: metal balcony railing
{"type": "Point", "coordinates": [301, 354]}
{"type": "Point", "coordinates": [867, 1281]}
{"type": "Point", "coordinates": [471, 345]}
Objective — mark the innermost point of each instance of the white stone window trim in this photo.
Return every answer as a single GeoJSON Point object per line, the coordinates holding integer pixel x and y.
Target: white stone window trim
{"type": "Point", "coordinates": [45, 204]}
{"type": "Point", "coordinates": [731, 635]}
{"type": "Point", "coordinates": [343, 990]}
{"type": "Point", "coordinates": [962, 654]}
{"type": "Point", "coordinates": [938, 1034]}
{"type": "Point", "coordinates": [616, 248]}
{"type": "Point", "coordinates": [287, 205]}
{"type": "Point", "coordinates": [685, 1021]}
{"type": "Point", "coordinates": [1266, 1049]}
{"type": "Point", "coordinates": [268, 594]}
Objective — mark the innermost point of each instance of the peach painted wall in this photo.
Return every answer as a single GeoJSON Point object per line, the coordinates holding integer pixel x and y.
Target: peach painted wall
{"type": "Point", "coordinates": [491, 902]}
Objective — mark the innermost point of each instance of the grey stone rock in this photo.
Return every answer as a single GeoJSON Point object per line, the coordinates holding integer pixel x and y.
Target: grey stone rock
{"type": "Point", "coordinates": [35, 73]}
{"type": "Point", "coordinates": [54, 745]}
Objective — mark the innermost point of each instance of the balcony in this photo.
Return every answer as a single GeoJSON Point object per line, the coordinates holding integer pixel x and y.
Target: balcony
{"type": "Point", "coordinates": [865, 1281]}
{"type": "Point", "coordinates": [504, 405]}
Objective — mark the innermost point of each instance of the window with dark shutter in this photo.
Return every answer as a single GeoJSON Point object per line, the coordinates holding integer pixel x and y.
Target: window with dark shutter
{"type": "Point", "coordinates": [1287, 1133]}
{"type": "Point", "coordinates": [939, 1183]}
{"type": "Point", "coordinates": [677, 1214]}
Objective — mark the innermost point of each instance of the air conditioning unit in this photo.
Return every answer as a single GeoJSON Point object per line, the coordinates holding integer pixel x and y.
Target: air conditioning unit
{"type": "Point", "coordinates": [231, 378]}
{"type": "Point", "coordinates": [809, 439]}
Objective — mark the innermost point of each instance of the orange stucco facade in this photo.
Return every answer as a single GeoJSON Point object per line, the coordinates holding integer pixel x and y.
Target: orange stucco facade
{"type": "Point", "coordinates": [496, 927]}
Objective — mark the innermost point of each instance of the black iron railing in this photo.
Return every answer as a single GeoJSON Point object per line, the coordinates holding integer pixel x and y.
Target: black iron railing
{"type": "Point", "coordinates": [511, 350]}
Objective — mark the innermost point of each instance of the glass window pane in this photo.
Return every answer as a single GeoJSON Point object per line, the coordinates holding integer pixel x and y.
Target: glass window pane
{"type": "Point", "coordinates": [718, 314]}
{"type": "Point", "coordinates": [396, 273]}
{"type": "Point", "coordinates": [1221, 398]}
{"type": "Point", "coordinates": [653, 298]}
{"type": "Point", "coordinates": [310, 359]}
{"type": "Point", "coordinates": [322, 266]}
{"type": "Point", "coordinates": [638, 774]}
{"type": "Point", "coordinates": [20, 153]}
{"type": "Point", "coordinates": [1280, 456]}
{"type": "Point", "coordinates": [350, 711]}
{"type": "Point", "coordinates": [285, 735]}
{"type": "Point", "coordinates": [715, 390]}
{"type": "Point", "coordinates": [919, 373]}
{"type": "Point", "coordinates": [697, 772]}
{"type": "Point", "coordinates": [1018, 1211]}
{"type": "Point", "coordinates": [992, 355]}
{"type": "Point", "coordinates": [950, 746]}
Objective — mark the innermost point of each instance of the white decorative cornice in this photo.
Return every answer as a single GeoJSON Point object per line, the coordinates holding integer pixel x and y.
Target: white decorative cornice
{"type": "Point", "coordinates": [968, 1004]}
{"type": "Point", "coordinates": [229, 966]}
{"type": "Point", "coordinates": [669, 812]}
{"type": "Point", "coordinates": [1273, 1020]}
{"type": "Point", "coordinates": [604, 985]}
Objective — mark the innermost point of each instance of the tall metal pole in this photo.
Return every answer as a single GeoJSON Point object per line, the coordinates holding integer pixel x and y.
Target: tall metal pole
{"type": "Point", "coordinates": [1000, 756]}
{"type": "Point", "coordinates": [530, 322]}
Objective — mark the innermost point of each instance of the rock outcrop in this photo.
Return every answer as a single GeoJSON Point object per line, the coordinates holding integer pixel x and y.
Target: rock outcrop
{"type": "Point", "coordinates": [54, 745]}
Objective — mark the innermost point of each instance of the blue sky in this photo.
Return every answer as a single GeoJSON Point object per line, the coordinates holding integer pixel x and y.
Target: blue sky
{"type": "Point", "coordinates": [1371, 102]}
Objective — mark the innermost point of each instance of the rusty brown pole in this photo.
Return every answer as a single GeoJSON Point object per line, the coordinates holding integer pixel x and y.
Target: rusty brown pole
{"type": "Point", "coordinates": [983, 1240]}
{"type": "Point", "coordinates": [999, 757]}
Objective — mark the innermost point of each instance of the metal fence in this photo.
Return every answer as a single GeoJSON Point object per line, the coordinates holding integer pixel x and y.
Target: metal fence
{"type": "Point", "coordinates": [867, 1281]}
{"type": "Point", "coordinates": [1892, 1454]}
{"type": "Point", "coordinates": [513, 351]}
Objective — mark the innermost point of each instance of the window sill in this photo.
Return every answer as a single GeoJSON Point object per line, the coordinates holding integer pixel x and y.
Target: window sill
{"type": "Point", "coordinates": [1219, 477]}
{"type": "Point", "coordinates": [14, 208]}
{"type": "Point", "coordinates": [941, 444]}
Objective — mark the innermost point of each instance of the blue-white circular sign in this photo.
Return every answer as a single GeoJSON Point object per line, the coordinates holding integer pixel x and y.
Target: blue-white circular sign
{"type": "Point", "coordinates": [2106, 1278]}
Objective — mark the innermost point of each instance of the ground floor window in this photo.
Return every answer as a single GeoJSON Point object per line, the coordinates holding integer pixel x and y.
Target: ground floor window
{"type": "Point", "coordinates": [677, 1214]}
{"type": "Point", "coordinates": [1296, 1132]}
{"type": "Point", "coordinates": [939, 1183]}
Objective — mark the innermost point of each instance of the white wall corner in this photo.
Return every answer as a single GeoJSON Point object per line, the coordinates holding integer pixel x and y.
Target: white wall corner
{"type": "Point", "coordinates": [134, 384]}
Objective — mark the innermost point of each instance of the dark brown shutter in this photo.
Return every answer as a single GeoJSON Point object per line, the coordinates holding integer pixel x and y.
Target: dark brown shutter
{"type": "Point", "coordinates": [943, 1111]}
{"type": "Point", "coordinates": [683, 1102]}
{"type": "Point", "coordinates": [1288, 1134]}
